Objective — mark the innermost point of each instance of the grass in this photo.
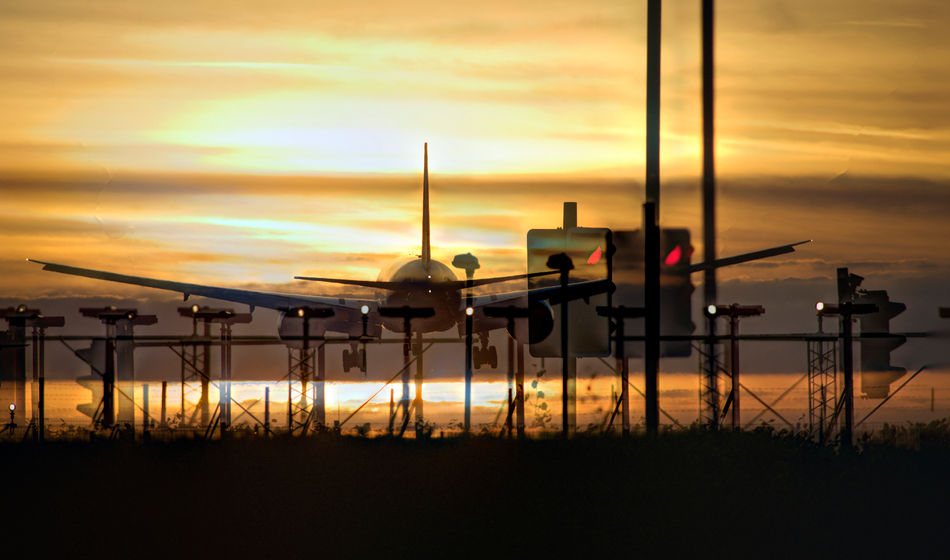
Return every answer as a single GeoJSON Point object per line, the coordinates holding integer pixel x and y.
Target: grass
{"type": "Point", "coordinates": [756, 493]}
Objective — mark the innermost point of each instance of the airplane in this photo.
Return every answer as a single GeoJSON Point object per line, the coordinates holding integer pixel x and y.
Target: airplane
{"type": "Point", "coordinates": [420, 282]}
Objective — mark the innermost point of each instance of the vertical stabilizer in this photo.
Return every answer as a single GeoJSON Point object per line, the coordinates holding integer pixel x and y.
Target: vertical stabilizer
{"type": "Point", "coordinates": [426, 253]}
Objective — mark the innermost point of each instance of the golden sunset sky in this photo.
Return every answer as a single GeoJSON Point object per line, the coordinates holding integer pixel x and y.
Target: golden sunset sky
{"type": "Point", "coordinates": [242, 143]}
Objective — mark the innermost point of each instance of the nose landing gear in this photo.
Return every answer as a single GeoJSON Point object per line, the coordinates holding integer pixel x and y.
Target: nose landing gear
{"type": "Point", "coordinates": [485, 354]}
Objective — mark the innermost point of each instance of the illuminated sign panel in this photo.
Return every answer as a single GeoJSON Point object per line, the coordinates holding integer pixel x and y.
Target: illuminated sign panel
{"type": "Point", "coordinates": [589, 251]}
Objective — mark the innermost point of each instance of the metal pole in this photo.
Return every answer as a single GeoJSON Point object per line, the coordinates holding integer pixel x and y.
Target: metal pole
{"type": "Point", "coordinates": [420, 419]}
{"type": "Point", "coordinates": [734, 355]}
{"type": "Point", "coordinates": [108, 380]}
{"type": "Point", "coordinates": [406, 348]}
{"type": "Point", "coordinates": [223, 390]}
{"type": "Point", "coordinates": [204, 401]}
{"type": "Point", "coordinates": [164, 409]}
{"type": "Point", "coordinates": [847, 434]}
{"type": "Point", "coordinates": [654, 8]}
{"type": "Point", "coordinates": [709, 210]}
{"type": "Point", "coordinates": [39, 376]}
{"type": "Point", "coordinates": [624, 377]}
{"type": "Point", "coordinates": [469, 274]}
{"type": "Point", "coordinates": [145, 416]}
{"type": "Point", "coordinates": [290, 393]}
{"type": "Point", "coordinates": [511, 404]}
{"type": "Point", "coordinates": [266, 411]}
{"type": "Point", "coordinates": [511, 370]}
{"type": "Point", "coordinates": [519, 383]}
{"type": "Point", "coordinates": [34, 386]}
{"type": "Point", "coordinates": [392, 409]}
{"type": "Point", "coordinates": [320, 399]}
{"type": "Point", "coordinates": [651, 317]}
{"type": "Point", "coordinates": [42, 404]}
{"type": "Point", "coordinates": [565, 355]}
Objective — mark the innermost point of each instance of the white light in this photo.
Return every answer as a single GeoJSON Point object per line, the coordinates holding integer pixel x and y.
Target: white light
{"type": "Point", "coordinates": [820, 305]}
{"type": "Point", "coordinates": [364, 310]}
{"type": "Point", "coordinates": [12, 407]}
{"type": "Point", "coordinates": [469, 311]}
{"type": "Point", "coordinates": [711, 309]}
{"type": "Point", "coordinates": [300, 312]}
{"type": "Point", "coordinates": [194, 308]}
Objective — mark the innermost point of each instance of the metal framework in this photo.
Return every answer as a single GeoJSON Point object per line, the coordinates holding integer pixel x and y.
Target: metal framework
{"type": "Point", "coordinates": [710, 366]}
{"type": "Point", "coordinates": [822, 387]}
{"type": "Point", "coordinates": [195, 377]}
{"type": "Point", "coordinates": [305, 386]}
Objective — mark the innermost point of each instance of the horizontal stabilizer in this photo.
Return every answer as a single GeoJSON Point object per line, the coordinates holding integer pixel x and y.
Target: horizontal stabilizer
{"type": "Point", "coordinates": [410, 284]}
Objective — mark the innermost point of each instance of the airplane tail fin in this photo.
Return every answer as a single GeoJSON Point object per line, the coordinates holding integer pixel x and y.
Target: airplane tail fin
{"type": "Point", "coordinates": [426, 252]}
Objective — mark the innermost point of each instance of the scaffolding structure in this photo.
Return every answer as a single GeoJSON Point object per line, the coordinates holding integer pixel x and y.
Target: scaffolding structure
{"type": "Point", "coordinates": [710, 368]}
{"type": "Point", "coordinates": [195, 357]}
{"type": "Point", "coordinates": [822, 386]}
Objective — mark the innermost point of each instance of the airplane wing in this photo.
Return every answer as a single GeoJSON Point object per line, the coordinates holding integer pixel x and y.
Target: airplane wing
{"type": "Point", "coordinates": [270, 300]}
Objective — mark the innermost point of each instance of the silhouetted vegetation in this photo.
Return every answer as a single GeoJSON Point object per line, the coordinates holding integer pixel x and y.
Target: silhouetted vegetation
{"type": "Point", "coordinates": [766, 493]}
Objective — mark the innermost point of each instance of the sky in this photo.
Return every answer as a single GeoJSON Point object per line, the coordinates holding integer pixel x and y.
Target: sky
{"type": "Point", "coordinates": [232, 143]}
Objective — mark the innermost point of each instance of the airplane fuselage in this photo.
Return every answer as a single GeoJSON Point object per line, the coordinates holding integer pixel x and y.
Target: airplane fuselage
{"type": "Point", "coordinates": [430, 286]}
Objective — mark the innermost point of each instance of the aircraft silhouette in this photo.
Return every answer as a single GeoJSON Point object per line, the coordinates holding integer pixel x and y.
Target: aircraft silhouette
{"type": "Point", "coordinates": [420, 282]}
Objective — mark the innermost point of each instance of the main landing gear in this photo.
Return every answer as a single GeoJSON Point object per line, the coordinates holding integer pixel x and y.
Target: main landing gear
{"type": "Point", "coordinates": [484, 354]}
{"type": "Point", "coordinates": [355, 357]}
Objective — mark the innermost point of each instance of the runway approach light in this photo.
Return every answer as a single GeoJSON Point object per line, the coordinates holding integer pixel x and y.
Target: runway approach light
{"type": "Point", "coordinates": [820, 306]}
{"type": "Point", "coordinates": [364, 310]}
{"type": "Point", "coordinates": [711, 310]}
{"type": "Point", "coordinates": [469, 311]}
{"type": "Point", "coordinates": [194, 308]}
{"type": "Point", "coordinates": [12, 407]}
{"type": "Point", "coordinates": [300, 312]}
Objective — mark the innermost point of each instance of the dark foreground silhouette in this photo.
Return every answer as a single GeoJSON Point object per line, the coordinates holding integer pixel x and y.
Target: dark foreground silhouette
{"type": "Point", "coordinates": [683, 494]}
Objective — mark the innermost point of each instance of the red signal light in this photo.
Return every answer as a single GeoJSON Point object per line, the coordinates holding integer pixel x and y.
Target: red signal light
{"type": "Point", "coordinates": [674, 257]}
{"type": "Point", "coordinates": [594, 257]}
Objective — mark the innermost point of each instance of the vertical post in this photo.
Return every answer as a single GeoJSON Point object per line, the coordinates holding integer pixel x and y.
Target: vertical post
{"type": "Point", "coordinates": [406, 357]}
{"type": "Point", "coordinates": [266, 411]}
{"type": "Point", "coordinates": [34, 386]}
{"type": "Point", "coordinates": [510, 374]}
{"type": "Point", "coordinates": [108, 380]}
{"type": "Point", "coordinates": [624, 376]}
{"type": "Point", "coordinates": [565, 356]}
{"type": "Point", "coordinates": [734, 358]}
{"type": "Point", "coordinates": [164, 410]}
{"type": "Point", "coordinates": [709, 211]}
{"type": "Point", "coordinates": [224, 396]}
{"type": "Point", "coordinates": [320, 399]}
{"type": "Point", "coordinates": [847, 434]}
{"type": "Point", "coordinates": [420, 419]}
{"type": "Point", "coordinates": [467, 424]}
{"type": "Point", "coordinates": [654, 11]}
{"type": "Point", "coordinates": [182, 396]}
{"type": "Point", "coordinates": [290, 395]}
{"type": "Point", "coordinates": [519, 384]}
{"type": "Point", "coordinates": [145, 415]}
{"type": "Point", "coordinates": [204, 402]}
{"type": "Point", "coordinates": [568, 361]}
{"type": "Point", "coordinates": [392, 409]}
{"type": "Point", "coordinates": [508, 414]}
{"type": "Point", "coordinates": [42, 405]}
{"type": "Point", "coordinates": [651, 316]}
